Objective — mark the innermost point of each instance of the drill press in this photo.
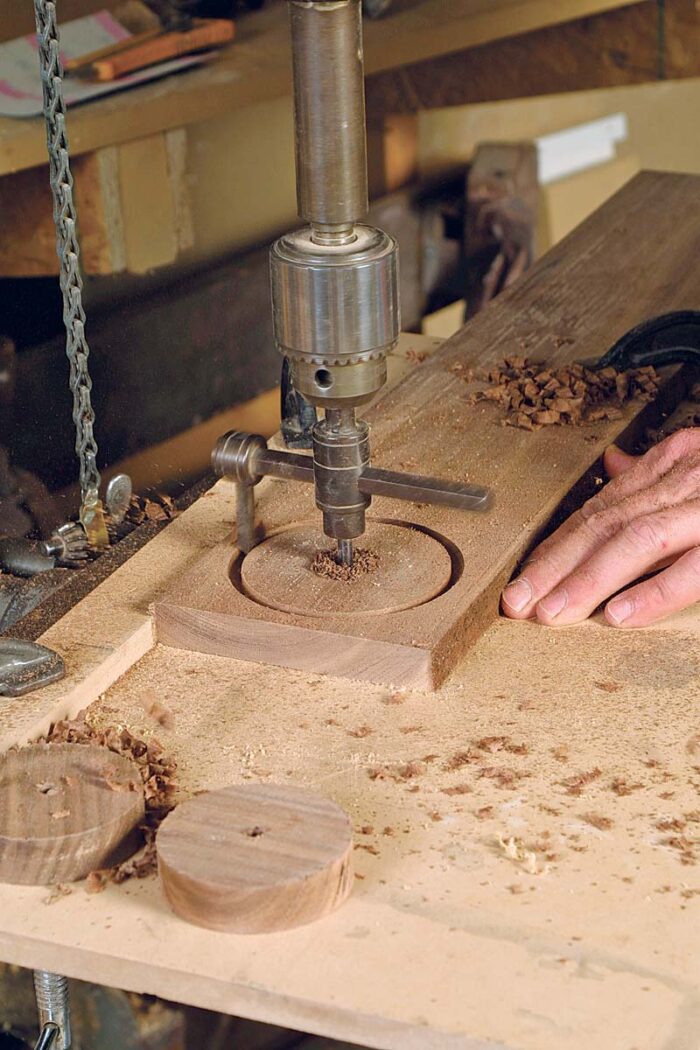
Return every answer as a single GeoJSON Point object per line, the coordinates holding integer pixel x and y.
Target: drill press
{"type": "Point", "coordinates": [334, 296]}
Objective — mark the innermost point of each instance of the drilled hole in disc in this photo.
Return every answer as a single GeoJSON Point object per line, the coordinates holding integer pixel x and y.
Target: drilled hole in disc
{"type": "Point", "coordinates": [413, 568]}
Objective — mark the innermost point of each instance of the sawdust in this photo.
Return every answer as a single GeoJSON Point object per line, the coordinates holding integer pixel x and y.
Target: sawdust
{"type": "Point", "coordinates": [326, 564]}
{"type": "Point", "coordinates": [158, 776]}
{"type": "Point", "coordinates": [534, 395]}
{"type": "Point", "coordinates": [458, 789]}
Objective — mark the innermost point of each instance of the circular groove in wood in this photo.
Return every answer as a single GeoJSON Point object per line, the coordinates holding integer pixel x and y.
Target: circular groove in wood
{"type": "Point", "coordinates": [66, 810]}
{"type": "Point", "coordinates": [413, 568]}
{"type": "Point", "coordinates": [253, 858]}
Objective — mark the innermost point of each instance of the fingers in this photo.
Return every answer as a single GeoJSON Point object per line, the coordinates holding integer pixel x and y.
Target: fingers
{"type": "Point", "coordinates": [672, 590]}
{"type": "Point", "coordinates": [644, 472]}
{"type": "Point", "coordinates": [552, 563]}
{"type": "Point", "coordinates": [617, 462]}
{"type": "Point", "coordinates": [631, 553]}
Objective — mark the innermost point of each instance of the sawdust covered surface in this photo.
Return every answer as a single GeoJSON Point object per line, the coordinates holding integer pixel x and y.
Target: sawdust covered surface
{"type": "Point", "coordinates": [326, 564]}
{"type": "Point", "coordinates": [534, 395]}
{"type": "Point", "coordinates": [158, 773]}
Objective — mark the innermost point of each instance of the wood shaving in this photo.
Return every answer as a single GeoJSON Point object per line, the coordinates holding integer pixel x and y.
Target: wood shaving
{"type": "Point", "coordinates": [503, 777]}
{"type": "Point", "coordinates": [458, 789]}
{"type": "Point", "coordinates": [326, 564]}
{"type": "Point", "coordinates": [514, 849]}
{"type": "Point", "coordinates": [367, 848]}
{"type": "Point", "coordinates": [57, 892]}
{"type": "Point", "coordinates": [608, 687]}
{"type": "Point", "coordinates": [158, 774]}
{"type": "Point", "coordinates": [686, 848]}
{"type": "Point", "coordinates": [533, 395]}
{"type": "Point", "coordinates": [621, 786]}
{"type": "Point", "coordinates": [575, 784]}
{"type": "Point", "coordinates": [597, 821]}
{"type": "Point", "coordinates": [460, 759]}
{"type": "Point", "coordinates": [493, 744]}
{"type": "Point", "coordinates": [397, 773]}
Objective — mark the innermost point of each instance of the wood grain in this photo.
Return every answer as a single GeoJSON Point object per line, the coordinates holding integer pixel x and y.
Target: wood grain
{"type": "Point", "coordinates": [412, 568]}
{"type": "Point", "coordinates": [255, 858]}
{"type": "Point", "coordinates": [634, 258]}
{"type": "Point", "coordinates": [66, 810]}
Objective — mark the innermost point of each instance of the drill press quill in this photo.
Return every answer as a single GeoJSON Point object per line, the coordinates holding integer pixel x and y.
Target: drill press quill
{"type": "Point", "coordinates": [334, 296]}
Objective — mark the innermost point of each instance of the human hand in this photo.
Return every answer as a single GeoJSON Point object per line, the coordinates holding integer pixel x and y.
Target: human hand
{"type": "Point", "coordinates": [645, 519]}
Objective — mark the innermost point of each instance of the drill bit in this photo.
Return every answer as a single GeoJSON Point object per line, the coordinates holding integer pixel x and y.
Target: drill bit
{"type": "Point", "coordinates": [345, 552]}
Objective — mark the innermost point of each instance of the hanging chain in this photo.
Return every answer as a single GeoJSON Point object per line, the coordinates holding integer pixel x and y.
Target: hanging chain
{"type": "Point", "coordinates": [77, 350]}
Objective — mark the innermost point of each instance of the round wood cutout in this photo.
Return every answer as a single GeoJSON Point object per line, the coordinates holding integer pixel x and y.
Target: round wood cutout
{"type": "Point", "coordinates": [66, 810]}
{"type": "Point", "coordinates": [411, 569]}
{"type": "Point", "coordinates": [254, 858]}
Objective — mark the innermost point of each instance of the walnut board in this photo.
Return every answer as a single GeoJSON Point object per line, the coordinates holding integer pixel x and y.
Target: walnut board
{"type": "Point", "coordinates": [66, 810]}
{"type": "Point", "coordinates": [632, 259]}
{"type": "Point", "coordinates": [255, 858]}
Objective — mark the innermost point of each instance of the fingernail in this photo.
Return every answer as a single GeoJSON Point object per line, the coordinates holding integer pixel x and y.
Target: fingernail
{"type": "Point", "coordinates": [517, 595]}
{"type": "Point", "coordinates": [554, 603]}
{"type": "Point", "coordinates": [619, 610]}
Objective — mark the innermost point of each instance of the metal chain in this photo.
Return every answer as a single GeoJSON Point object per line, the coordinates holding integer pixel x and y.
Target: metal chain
{"type": "Point", "coordinates": [77, 349]}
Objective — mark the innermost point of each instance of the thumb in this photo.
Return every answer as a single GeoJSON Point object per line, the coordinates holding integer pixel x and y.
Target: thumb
{"type": "Point", "coordinates": [617, 462]}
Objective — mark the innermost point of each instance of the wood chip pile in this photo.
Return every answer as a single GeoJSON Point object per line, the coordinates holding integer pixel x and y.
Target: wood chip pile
{"type": "Point", "coordinates": [158, 775]}
{"type": "Point", "coordinates": [535, 396]}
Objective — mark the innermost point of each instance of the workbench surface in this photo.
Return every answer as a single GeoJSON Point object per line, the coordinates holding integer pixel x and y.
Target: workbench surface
{"type": "Point", "coordinates": [257, 68]}
{"type": "Point", "coordinates": [514, 888]}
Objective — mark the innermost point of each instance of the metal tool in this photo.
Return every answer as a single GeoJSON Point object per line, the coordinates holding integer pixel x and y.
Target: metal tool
{"type": "Point", "coordinates": [53, 1005]}
{"type": "Point", "coordinates": [334, 296]}
{"type": "Point", "coordinates": [669, 339]}
{"type": "Point", "coordinates": [67, 248]}
{"type": "Point", "coordinates": [118, 497]}
{"type": "Point", "coordinates": [68, 548]}
{"type": "Point", "coordinates": [26, 666]}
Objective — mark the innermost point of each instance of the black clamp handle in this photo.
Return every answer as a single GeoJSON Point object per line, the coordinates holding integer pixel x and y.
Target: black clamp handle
{"type": "Point", "coordinates": [669, 339]}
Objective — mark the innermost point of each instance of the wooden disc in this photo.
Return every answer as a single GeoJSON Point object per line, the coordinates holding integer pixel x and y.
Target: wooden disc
{"type": "Point", "coordinates": [413, 568]}
{"type": "Point", "coordinates": [66, 810]}
{"type": "Point", "coordinates": [254, 858]}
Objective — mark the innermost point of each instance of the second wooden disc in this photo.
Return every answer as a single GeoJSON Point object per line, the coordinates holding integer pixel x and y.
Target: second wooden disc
{"type": "Point", "coordinates": [412, 568]}
{"type": "Point", "coordinates": [254, 858]}
{"type": "Point", "coordinates": [66, 810]}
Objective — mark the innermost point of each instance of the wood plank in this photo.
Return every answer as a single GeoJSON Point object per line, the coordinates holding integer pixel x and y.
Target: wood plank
{"type": "Point", "coordinates": [257, 68]}
{"type": "Point", "coordinates": [565, 309]}
{"type": "Point", "coordinates": [614, 905]}
{"type": "Point", "coordinates": [634, 45]}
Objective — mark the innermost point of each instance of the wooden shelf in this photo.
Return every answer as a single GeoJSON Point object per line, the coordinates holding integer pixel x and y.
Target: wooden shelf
{"type": "Point", "coordinates": [256, 68]}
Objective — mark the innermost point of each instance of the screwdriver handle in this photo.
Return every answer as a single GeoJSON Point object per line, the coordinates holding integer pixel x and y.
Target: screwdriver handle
{"type": "Point", "coordinates": [213, 33]}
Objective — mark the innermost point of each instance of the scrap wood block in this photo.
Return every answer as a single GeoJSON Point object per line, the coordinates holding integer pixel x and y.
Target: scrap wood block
{"type": "Point", "coordinates": [632, 259]}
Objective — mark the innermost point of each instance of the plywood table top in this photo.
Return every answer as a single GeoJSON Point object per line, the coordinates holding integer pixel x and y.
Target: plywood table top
{"type": "Point", "coordinates": [527, 854]}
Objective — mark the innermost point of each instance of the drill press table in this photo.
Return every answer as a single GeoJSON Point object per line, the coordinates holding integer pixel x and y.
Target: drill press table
{"type": "Point", "coordinates": [527, 837]}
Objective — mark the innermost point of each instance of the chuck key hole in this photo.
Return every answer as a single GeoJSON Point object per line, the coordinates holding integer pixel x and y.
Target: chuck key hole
{"type": "Point", "coordinates": [324, 379]}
